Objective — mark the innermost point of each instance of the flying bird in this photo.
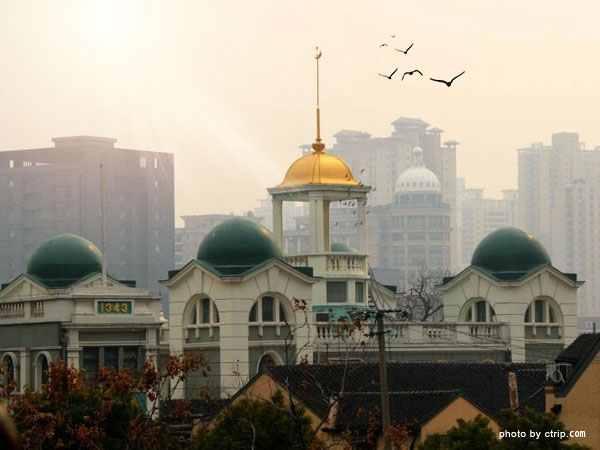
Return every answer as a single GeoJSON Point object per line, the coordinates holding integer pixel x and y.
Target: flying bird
{"type": "Point", "coordinates": [383, 45]}
{"type": "Point", "coordinates": [411, 72]}
{"type": "Point", "coordinates": [393, 36]}
{"type": "Point", "coordinates": [448, 83]}
{"type": "Point", "coordinates": [362, 170]}
{"type": "Point", "coordinates": [405, 51]}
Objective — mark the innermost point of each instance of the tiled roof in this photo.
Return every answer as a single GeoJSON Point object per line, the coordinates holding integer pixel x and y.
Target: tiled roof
{"type": "Point", "coordinates": [406, 408]}
{"type": "Point", "coordinates": [579, 354]}
{"type": "Point", "coordinates": [578, 350]}
{"type": "Point", "coordinates": [486, 385]}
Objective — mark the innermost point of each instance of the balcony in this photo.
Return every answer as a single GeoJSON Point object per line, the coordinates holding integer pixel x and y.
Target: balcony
{"type": "Point", "coordinates": [331, 263]}
{"type": "Point", "coordinates": [21, 310]}
{"type": "Point", "coordinates": [417, 334]}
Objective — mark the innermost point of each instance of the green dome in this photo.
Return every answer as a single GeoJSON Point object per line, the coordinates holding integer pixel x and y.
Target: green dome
{"type": "Point", "coordinates": [64, 259]}
{"type": "Point", "coordinates": [237, 245]}
{"type": "Point", "coordinates": [509, 251]}
{"type": "Point", "coordinates": [341, 248]}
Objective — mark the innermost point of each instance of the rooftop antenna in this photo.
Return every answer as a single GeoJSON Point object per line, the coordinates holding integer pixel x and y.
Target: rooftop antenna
{"type": "Point", "coordinates": [103, 215]}
{"type": "Point", "coordinates": [318, 146]}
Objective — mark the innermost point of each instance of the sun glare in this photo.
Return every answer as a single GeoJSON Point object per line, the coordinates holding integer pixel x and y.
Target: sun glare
{"type": "Point", "coordinates": [107, 23]}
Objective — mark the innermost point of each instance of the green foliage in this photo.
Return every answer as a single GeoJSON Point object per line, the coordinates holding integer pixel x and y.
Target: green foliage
{"type": "Point", "coordinates": [471, 435]}
{"type": "Point", "coordinates": [257, 424]}
{"type": "Point", "coordinates": [476, 434]}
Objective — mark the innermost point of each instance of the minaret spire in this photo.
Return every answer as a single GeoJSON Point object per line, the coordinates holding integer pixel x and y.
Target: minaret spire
{"type": "Point", "coordinates": [318, 146]}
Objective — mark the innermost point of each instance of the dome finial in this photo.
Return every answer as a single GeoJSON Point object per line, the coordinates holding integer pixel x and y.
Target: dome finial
{"type": "Point", "coordinates": [417, 159]}
{"type": "Point", "coordinates": [318, 146]}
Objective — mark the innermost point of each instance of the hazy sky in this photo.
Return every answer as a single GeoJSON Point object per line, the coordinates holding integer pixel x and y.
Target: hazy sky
{"type": "Point", "coordinates": [228, 86]}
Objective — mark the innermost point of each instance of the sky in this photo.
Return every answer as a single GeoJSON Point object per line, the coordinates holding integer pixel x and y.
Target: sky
{"type": "Point", "coordinates": [228, 87]}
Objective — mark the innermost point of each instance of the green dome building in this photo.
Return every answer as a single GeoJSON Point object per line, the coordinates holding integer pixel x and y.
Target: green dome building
{"type": "Point", "coordinates": [510, 253]}
{"type": "Point", "coordinates": [340, 247]}
{"type": "Point", "coordinates": [237, 246]}
{"type": "Point", "coordinates": [63, 260]}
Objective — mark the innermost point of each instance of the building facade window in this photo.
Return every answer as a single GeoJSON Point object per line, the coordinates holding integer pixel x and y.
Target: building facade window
{"type": "Point", "coordinates": [9, 368]}
{"type": "Point", "coordinates": [268, 309]}
{"type": "Point", "coordinates": [203, 312]}
{"type": "Point", "coordinates": [541, 311]}
{"type": "Point", "coordinates": [479, 311]}
{"type": "Point", "coordinates": [359, 292]}
{"type": "Point", "coordinates": [336, 291]}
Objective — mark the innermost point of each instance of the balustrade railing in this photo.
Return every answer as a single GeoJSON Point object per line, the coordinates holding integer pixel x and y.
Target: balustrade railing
{"type": "Point", "coordinates": [12, 310]}
{"type": "Point", "coordinates": [427, 333]}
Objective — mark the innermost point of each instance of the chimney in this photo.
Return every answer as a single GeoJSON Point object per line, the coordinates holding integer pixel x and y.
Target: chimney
{"type": "Point", "coordinates": [512, 391]}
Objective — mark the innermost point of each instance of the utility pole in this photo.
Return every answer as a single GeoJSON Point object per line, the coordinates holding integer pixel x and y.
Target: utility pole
{"type": "Point", "coordinates": [103, 214]}
{"type": "Point", "coordinates": [385, 397]}
{"type": "Point", "coordinates": [383, 381]}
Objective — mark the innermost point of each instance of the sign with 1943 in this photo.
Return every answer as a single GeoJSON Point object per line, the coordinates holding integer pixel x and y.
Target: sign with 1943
{"type": "Point", "coordinates": [115, 307]}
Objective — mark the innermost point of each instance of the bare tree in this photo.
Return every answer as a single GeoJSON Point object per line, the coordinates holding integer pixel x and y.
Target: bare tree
{"type": "Point", "coordinates": [422, 300]}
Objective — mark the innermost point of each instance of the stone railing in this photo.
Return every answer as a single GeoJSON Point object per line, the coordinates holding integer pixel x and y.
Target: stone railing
{"type": "Point", "coordinates": [425, 333]}
{"type": "Point", "coordinates": [37, 309]}
{"type": "Point", "coordinates": [330, 262]}
{"type": "Point", "coordinates": [346, 263]}
{"type": "Point", "coordinates": [12, 310]}
{"type": "Point", "coordinates": [297, 260]}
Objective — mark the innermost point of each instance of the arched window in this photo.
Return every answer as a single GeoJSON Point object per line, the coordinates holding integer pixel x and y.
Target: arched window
{"type": "Point", "coordinates": [9, 369]}
{"type": "Point", "coordinates": [268, 359]}
{"type": "Point", "coordinates": [479, 311]}
{"type": "Point", "coordinates": [203, 312]}
{"type": "Point", "coordinates": [268, 309]}
{"type": "Point", "coordinates": [42, 365]}
{"type": "Point", "coordinates": [541, 311]}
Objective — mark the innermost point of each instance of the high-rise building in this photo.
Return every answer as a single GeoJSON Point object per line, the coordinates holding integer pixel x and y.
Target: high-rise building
{"type": "Point", "coordinates": [378, 162]}
{"type": "Point", "coordinates": [412, 235]}
{"type": "Point", "coordinates": [559, 192]}
{"type": "Point", "coordinates": [479, 216]}
{"type": "Point", "coordinates": [48, 191]}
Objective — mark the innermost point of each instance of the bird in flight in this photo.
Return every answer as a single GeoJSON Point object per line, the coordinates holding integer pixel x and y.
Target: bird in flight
{"type": "Point", "coordinates": [383, 45]}
{"type": "Point", "coordinates": [405, 51]}
{"type": "Point", "coordinates": [362, 170]}
{"type": "Point", "coordinates": [389, 77]}
{"type": "Point", "coordinates": [393, 36]}
{"type": "Point", "coordinates": [448, 83]}
{"type": "Point", "coordinates": [411, 72]}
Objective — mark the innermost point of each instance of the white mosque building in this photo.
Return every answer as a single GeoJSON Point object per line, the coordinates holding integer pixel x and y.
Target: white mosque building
{"type": "Point", "coordinates": [245, 304]}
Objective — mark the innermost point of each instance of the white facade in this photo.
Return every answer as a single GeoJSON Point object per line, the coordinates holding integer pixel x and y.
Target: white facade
{"type": "Point", "coordinates": [510, 301]}
{"type": "Point", "coordinates": [231, 341]}
{"type": "Point", "coordinates": [67, 322]}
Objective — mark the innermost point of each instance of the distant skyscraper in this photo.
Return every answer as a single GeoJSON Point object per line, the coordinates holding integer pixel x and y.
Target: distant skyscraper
{"type": "Point", "coordinates": [411, 236]}
{"type": "Point", "coordinates": [55, 190]}
{"type": "Point", "coordinates": [559, 202]}
{"type": "Point", "coordinates": [378, 162]}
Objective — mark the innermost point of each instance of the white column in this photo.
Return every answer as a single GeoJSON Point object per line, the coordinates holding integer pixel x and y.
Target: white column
{"type": "Point", "coordinates": [326, 240]}
{"type": "Point", "coordinates": [278, 222]}
{"type": "Point", "coordinates": [316, 225]}
{"type": "Point", "coordinates": [24, 357]}
{"type": "Point", "coordinates": [362, 224]}
{"type": "Point", "coordinates": [73, 349]}
{"type": "Point", "coordinates": [233, 336]}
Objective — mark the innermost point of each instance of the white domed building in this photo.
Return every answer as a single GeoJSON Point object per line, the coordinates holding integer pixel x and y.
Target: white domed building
{"type": "Point", "coordinates": [412, 234]}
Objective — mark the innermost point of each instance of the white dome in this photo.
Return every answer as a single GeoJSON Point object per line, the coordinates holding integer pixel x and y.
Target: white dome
{"type": "Point", "coordinates": [418, 178]}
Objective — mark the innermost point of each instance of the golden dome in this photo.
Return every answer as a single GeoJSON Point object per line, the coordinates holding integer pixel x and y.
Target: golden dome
{"type": "Point", "coordinates": [318, 168]}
